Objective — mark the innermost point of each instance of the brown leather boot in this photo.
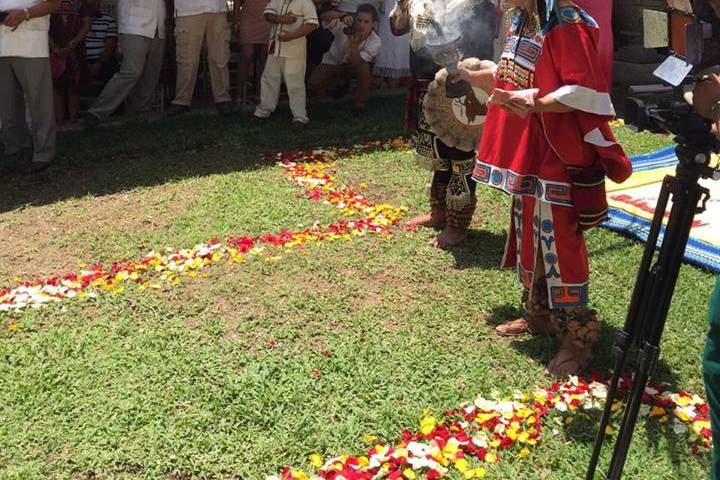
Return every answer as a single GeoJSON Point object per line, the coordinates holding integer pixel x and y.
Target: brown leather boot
{"type": "Point", "coordinates": [578, 329]}
{"type": "Point", "coordinates": [537, 319]}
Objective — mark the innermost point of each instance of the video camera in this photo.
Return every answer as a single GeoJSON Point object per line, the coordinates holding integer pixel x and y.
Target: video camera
{"type": "Point", "coordinates": [662, 108]}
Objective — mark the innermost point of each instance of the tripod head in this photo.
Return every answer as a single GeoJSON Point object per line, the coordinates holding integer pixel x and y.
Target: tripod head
{"type": "Point", "coordinates": [668, 108]}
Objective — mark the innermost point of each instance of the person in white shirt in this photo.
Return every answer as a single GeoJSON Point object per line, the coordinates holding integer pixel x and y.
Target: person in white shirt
{"type": "Point", "coordinates": [141, 25]}
{"type": "Point", "coordinates": [26, 84]}
{"type": "Point", "coordinates": [355, 47]}
{"type": "Point", "coordinates": [197, 21]}
{"type": "Point", "coordinates": [292, 21]}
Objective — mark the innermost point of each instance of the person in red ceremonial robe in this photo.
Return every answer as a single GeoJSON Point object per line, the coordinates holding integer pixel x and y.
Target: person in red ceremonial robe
{"type": "Point", "coordinates": [547, 142]}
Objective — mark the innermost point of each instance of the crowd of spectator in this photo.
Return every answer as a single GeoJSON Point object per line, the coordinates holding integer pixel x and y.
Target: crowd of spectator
{"type": "Point", "coordinates": [67, 62]}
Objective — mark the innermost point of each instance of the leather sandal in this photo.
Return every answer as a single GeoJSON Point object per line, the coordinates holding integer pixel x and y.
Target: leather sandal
{"type": "Point", "coordinates": [532, 324]}
{"type": "Point", "coordinates": [513, 328]}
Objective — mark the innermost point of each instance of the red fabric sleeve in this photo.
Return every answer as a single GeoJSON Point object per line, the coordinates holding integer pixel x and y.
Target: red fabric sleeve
{"type": "Point", "coordinates": [573, 47]}
{"type": "Point", "coordinates": [582, 138]}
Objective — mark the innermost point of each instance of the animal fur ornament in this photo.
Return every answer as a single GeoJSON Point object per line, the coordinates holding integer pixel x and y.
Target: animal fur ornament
{"type": "Point", "coordinates": [458, 122]}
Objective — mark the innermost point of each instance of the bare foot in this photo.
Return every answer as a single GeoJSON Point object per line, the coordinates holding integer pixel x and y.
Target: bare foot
{"type": "Point", "coordinates": [513, 328]}
{"type": "Point", "coordinates": [449, 237]}
{"type": "Point", "coordinates": [566, 363]}
{"type": "Point", "coordinates": [434, 219]}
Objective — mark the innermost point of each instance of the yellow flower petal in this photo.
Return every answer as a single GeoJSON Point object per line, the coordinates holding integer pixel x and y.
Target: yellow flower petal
{"type": "Point", "coordinates": [409, 474]}
{"type": "Point", "coordinates": [316, 460]}
{"type": "Point", "coordinates": [461, 465]}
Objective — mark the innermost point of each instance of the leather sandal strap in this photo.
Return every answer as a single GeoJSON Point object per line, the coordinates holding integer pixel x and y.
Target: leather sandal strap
{"type": "Point", "coordinates": [521, 323]}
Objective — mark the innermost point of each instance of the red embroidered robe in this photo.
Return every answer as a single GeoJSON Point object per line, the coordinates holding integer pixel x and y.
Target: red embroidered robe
{"type": "Point", "coordinates": [553, 164]}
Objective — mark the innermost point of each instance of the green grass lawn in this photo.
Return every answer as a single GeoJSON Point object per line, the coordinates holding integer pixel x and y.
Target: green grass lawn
{"type": "Point", "coordinates": [261, 364]}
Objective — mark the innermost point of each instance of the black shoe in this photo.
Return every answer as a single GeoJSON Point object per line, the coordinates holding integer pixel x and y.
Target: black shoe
{"type": "Point", "coordinates": [33, 168]}
{"type": "Point", "coordinates": [88, 121]}
{"type": "Point", "coordinates": [176, 109]}
{"type": "Point", "coordinates": [16, 162]}
{"type": "Point", "coordinates": [341, 90]}
{"type": "Point", "coordinates": [224, 108]}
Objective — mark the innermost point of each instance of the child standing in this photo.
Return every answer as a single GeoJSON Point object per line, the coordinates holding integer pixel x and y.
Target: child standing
{"type": "Point", "coordinates": [292, 21]}
{"type": "Point", "coordinates": [68, 26]}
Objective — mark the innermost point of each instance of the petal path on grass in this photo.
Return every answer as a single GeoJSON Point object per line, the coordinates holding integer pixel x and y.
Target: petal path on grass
{"type": "Point", "coordinates": [467, 439]}
{"type": "Point", "coordinates": [482, 433]}
{"type": "Point", "coordinates": [312, 170]}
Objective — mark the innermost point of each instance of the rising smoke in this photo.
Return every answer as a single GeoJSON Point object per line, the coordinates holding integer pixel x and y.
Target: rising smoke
{"type": "Point", "coordinates": [474, 21]}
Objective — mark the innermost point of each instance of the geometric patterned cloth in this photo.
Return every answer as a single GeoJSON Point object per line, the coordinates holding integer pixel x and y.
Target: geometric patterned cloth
{"type": "Point", "coordinates": [632, 206]}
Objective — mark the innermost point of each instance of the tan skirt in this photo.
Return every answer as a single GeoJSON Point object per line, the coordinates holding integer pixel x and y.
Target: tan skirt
{"type": "Point", "coordinates": [253, 27]}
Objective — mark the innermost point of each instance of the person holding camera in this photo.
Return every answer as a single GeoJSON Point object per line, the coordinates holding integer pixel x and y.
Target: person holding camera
{"type": "Point", "coordinates": [547, 143]}
{"type": "Point", "coordinates": [351, 54]}
{"type": "Point", "coordinates": [26, 83]}
{"type": "Point", "coordinates": [338, 9]}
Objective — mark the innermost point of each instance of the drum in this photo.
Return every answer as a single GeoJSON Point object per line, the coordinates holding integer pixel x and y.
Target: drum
{"type": "Point", "coordinates": [458, 122]}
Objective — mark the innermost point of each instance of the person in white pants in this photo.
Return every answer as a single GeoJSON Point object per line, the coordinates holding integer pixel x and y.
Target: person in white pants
{"type": "Point", "coordinates": [142, 40]}
{"type": "Point", "coordinates": [197, 21]}
{"type": "Point", "coordinates": [26, 84]}
{"type": "Point", "coordinates": [292, 21]}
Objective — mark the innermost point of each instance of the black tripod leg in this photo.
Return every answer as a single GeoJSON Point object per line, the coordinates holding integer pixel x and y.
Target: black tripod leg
{"type": "Point", "coordinates": [664, 275]}
{"type": "Point", "coordinates": [622, 346]}
{"type": "Point", "coordinates": [647, 357]}
{"type": "Point", "coordinates": [627, 337]}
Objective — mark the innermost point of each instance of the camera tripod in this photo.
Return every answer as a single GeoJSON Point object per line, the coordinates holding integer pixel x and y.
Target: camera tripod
{"type": "Point", "coordinates": [656, 279]}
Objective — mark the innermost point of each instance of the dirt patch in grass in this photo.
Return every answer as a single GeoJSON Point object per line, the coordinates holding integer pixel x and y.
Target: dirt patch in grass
{"type": "Point", "coordinates": [382, 289]}
{"type": "Point", "coordinates": [257, 308]}
{"type": "Point", "coordinates": [55, 239]}
{"type": "Point", "coordinates": [225, 294]}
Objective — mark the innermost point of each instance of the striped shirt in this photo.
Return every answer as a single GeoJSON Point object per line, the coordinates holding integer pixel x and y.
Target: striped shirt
{"type": "Point", "coordinates": [103, 27]}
